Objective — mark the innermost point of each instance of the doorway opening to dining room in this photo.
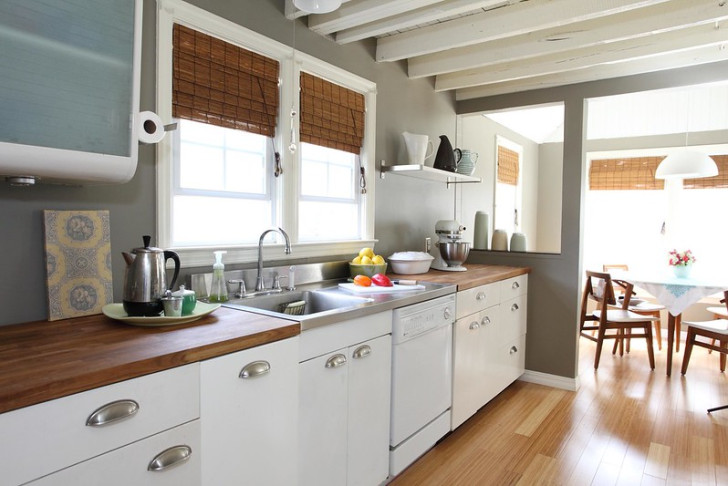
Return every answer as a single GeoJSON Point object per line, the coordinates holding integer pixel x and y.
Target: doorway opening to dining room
{"type": "Point", "coordinates": [632, 218]}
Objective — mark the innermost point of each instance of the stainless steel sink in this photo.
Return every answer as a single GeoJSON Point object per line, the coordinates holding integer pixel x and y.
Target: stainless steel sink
{"type": "Point", "coordinates": [318, 303]}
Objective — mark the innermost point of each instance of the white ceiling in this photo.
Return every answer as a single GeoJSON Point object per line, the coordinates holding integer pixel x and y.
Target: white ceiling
{"type": "Point", "coordinates": [488, 47]}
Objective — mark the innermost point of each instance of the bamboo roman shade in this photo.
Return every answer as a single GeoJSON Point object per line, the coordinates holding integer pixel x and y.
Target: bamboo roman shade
{"type": "Point", "coordinates": [717, 182]}
{"type": "Point", "coordinates": [637, 173]}
{"type": "Point", "coordinates": [222, 84]}
{"type": "Point", "coordinates": [508, 166]}
{"type": "Point", "coordinates": [331, 116]}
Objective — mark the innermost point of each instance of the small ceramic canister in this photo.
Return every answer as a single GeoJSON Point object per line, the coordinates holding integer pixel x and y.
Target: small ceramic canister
{"type": "Point", "coordinates": [188, 300]}
{"type": "Point", "coordinates": [500, 240]}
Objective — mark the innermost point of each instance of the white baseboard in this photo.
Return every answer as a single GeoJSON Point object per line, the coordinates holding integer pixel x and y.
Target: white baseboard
{"type": "Point", "coordinates": [554, 381]}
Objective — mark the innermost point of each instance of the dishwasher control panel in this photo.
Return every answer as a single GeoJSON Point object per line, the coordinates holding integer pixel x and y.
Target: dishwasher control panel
{"type": "Point", "coordinates": [416, 319]}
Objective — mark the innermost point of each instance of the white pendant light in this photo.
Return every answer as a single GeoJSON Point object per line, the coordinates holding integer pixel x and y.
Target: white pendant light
{"type": "Point", "coordinates": [317, 6]}
{"type": "Point", "coordinates": [686, 164]}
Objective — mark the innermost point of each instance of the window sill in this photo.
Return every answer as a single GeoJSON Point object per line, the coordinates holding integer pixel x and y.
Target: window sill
{"type": "Point", "coordinates": [202, 256]}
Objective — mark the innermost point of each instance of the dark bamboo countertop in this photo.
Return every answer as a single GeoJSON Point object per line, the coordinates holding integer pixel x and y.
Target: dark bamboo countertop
{"type": "Point", "coordinates": [44, 360]}
{"type": "Point", "coordinates": [477, 274]}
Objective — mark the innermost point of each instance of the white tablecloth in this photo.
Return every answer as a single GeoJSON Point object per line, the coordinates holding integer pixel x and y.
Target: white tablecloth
{"type": "Point", "coordinates": [676, 294]}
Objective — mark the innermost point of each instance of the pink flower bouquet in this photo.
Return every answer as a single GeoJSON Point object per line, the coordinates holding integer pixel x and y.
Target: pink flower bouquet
{"type": "Point", "coordinates": [681, 258]}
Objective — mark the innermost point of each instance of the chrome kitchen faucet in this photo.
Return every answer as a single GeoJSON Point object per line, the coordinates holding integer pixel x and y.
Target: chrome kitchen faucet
{"type": "Point", "coordinates": [259, 286]}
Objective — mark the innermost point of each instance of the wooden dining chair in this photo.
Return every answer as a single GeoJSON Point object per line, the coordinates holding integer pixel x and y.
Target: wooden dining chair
{"type": "Point", "coordinates": [716, 330]}
{"type": "Point", "coordinates": [718, 312]}
{"type": "Point", "coordinates": [643, 307]}
{"type": "Point", "coordinates": [605, 319]}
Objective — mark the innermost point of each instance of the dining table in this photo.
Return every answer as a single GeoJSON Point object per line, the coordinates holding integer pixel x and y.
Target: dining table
{"type": "Point", "coordinates": [675, 293]}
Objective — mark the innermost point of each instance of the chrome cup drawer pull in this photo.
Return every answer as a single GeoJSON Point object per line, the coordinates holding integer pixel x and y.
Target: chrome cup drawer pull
{"type": "Point", "coordinates": [513, 350]}
{"type": "Point", "coordinates": [474, 326]}
{"type": "Point", "coordinates": [112, 412]}
{"type": "Point", "coordinates": [256, 368]}
{"type": "Point", "coordinates": [480, 296]}
{"type": "Point", "coordinates": [170, 457]}
{"type": "Point", "coordinates": [485, 321]}
{"type": "Point", "coordinates": [362, 352]}
{"type": "Point", "coordinates": [514, 307]}
{"type": "Point", "coordinates": [515, 285]}
{"type": "Point", "coordinates": [335, 361]}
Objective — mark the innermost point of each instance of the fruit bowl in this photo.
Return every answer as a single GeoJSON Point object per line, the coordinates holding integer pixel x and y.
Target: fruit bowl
{"type": "Point", "coordinates": [368, 270]}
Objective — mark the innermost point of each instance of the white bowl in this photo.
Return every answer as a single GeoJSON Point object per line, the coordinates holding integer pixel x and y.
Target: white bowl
{"type": "Point", "coordinates": [410, 262]}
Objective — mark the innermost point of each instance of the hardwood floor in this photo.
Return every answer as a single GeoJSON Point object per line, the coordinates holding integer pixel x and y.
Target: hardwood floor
{"type": "Point", "coordinates": [625, 425]}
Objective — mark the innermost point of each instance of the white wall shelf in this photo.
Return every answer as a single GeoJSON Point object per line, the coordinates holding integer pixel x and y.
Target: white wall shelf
{"type": "Point", "coordinates": [420, 171]}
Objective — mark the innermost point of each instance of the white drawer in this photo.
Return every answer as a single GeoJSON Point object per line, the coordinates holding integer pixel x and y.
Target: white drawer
{"type": "Point", "coordinates": [513, 319]}
{"type": "Point", "coordinates": [505, 362]}
{"type": "Point", "coordinates": [513, 287]}
{"type": "Point", "coordinates": [129, 465]}
{"type": "Point", "coordinates": [478, 298]}
{"type": "Point", "coordinates": [43, 438]}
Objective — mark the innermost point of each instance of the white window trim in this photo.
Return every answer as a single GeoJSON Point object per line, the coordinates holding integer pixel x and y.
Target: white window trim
{"type": "Point", "coordinates": [170, 12]}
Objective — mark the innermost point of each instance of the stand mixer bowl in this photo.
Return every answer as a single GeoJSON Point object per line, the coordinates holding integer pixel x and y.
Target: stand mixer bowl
{"type": "Point", "coordinates": [454, 252]}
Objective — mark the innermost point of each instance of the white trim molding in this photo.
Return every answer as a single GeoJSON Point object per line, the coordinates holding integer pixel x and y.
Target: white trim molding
{"type": "Point", "coordinates": [554, 381]}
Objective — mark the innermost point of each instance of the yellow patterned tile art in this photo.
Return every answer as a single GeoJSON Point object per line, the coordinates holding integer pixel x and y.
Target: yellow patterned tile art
{"type": "Point", "coordinates": [78, 262]}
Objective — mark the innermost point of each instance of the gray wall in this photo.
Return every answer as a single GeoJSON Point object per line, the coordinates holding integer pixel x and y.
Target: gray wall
{"type": "Point", "coordinates": [554, 284]}
{"type": "Point", "coordinates": [404, 212]}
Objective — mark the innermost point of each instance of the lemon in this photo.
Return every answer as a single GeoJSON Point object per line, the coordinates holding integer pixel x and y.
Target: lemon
{"type": "Point", "coordinates": [378, 260]}
{"type": "Point", "coordinates": [366, 252]}
{"type": "Point", "coordinates": [365, 260]}
{"type": "Point", "coordinates": [356, 261]}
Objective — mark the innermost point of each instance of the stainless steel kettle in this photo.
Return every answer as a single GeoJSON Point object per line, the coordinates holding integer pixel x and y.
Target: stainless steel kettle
{"type": "Point", "coordinates": [145, 279]}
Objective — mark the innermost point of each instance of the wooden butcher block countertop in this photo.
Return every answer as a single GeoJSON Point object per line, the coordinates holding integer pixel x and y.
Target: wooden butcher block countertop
{"type": "Point", "coordinates": [44, 360]}
{"type": "Point", "coordinates": [475, 275]}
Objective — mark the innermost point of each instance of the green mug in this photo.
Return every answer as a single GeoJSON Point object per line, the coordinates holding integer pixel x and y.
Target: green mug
{"type": "Point", "coordinates": [188, 300]}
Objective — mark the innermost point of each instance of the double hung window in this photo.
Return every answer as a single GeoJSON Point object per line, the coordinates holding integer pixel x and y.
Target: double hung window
{"type": "Point", "coordinates": [266, 137]}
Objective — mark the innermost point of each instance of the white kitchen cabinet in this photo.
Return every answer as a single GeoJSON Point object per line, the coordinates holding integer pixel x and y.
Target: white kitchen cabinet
{"type": "Point", "coordinates": [345, 402]}
{"type": "Point", "coordinates": [171, 458]}
{"type": "Point", "coordinates": [69, 88]}
{"type": "Point", "coordinates": [249, 415]}
{"type": "Point", "coordinates": [489, 343]}
{"type": "Point", "coordinates": [53, 435]}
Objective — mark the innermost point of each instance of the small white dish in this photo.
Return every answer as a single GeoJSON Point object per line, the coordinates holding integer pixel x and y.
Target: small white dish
{"type": "Point", "coordinates": [117, 312]}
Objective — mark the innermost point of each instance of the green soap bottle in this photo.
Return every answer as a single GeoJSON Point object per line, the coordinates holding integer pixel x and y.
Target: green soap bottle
{"type": "Point", "coordinates": [218, 291]}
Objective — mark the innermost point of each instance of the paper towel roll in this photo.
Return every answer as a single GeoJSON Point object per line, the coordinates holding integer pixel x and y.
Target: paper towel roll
{"type": "Point", "coordinates": [480, 238]}
{"type": "Point", "coordinates": [151, 128]}
{"type": "Point", "coordinates": [500, 240]}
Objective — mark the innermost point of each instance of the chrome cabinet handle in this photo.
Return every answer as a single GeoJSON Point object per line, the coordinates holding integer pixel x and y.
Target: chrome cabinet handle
{"type": "Point", "coordinates": [256, 368]}
{"type": "Point", "coordinates": [112, 412]}
{"type": "Point", "coordinates": [170, 457]}
{"type": "Point", "coordinates": [514, 307]}
{"type": "Point", "coordinates": [447, 313]}
{"type": "Point", "coordinates": [485, 321]}
{"type": "Point", "coordinates": [515, 285]}
{"type": "Point", "coordinates": [362, 352]}
{"type": "Point", "coordinates": [474, 326]}
{"type": "Point", "coordinates": [335, 361]}
{"type": "Point", "coordinates": [480, 296]}
{"type": "Point", "coordinates": [513, 350]}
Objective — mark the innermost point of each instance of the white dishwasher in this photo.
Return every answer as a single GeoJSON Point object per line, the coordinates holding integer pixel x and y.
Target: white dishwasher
{"type": "Point", "coordinates": [421, 379]}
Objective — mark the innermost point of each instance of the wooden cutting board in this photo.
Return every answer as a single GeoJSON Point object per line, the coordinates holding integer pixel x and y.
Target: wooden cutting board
{"type": "Point", "coordinates": [375, 289]}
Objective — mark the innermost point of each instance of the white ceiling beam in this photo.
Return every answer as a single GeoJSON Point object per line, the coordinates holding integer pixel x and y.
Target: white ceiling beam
{"type": "Point", "coordinates": [412, 18]}
{"type": "Point", "coordinates": [673, 41]}
{"type": "Point", "coordinates": [669, 60]}
{"type": "Point", "coordinates": [511, 20]}
{"type": "Point", "coordinates": [362, 12]}
{"type": "Point", "coordinates": [638, 23]}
